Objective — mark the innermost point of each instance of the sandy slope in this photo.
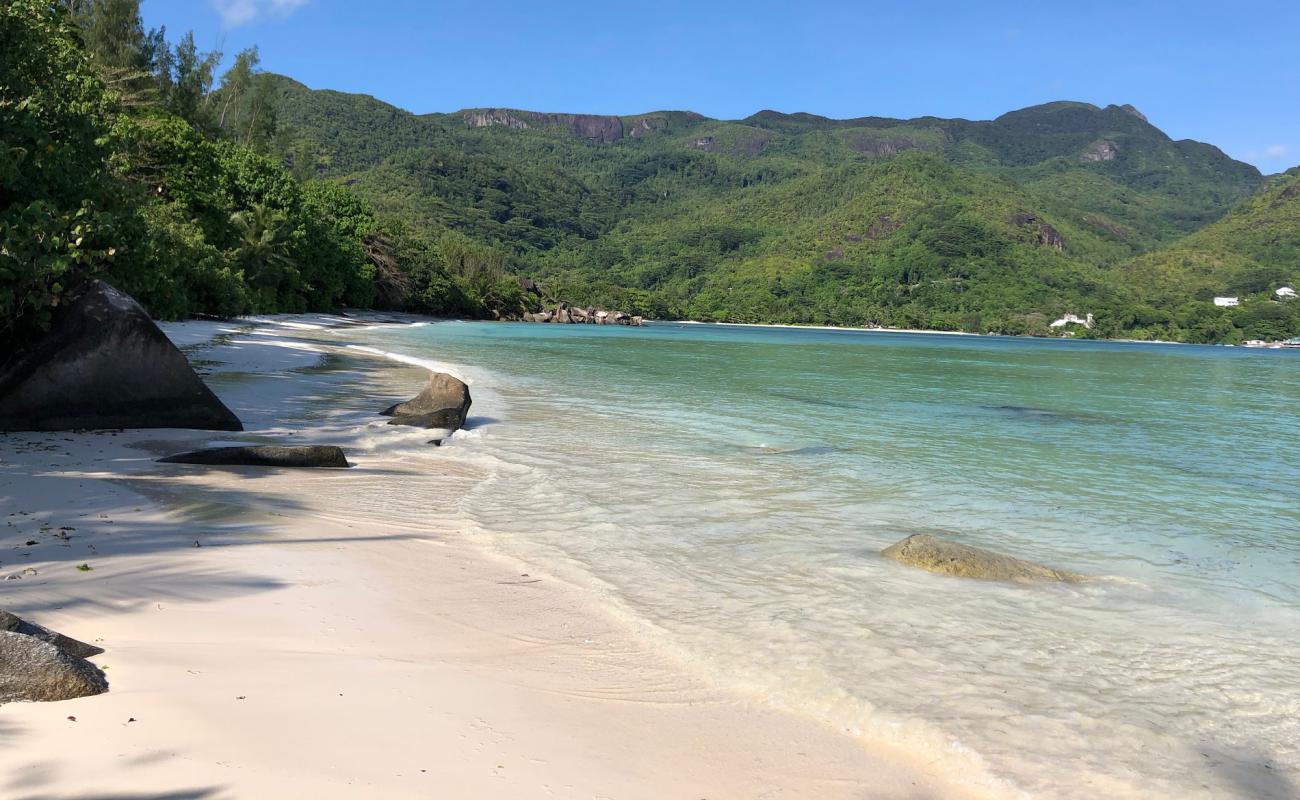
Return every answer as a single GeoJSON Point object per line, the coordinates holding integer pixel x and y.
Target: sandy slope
{"type": "Point", "coordinates": [300, 652]}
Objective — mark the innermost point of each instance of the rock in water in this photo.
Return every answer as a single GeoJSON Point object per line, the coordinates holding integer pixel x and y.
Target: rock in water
{"type": "Point", "coordinates": [104, 364]}
{"type": "Point", "coordinates": [35, 671]}
{"type": "Point", "coordinates": [326, 456]}
{"type": "Point", "coordinates": [950, 558]}
{"type": "Point", "coordinates": [444, 403]}
{"type": "Point", "coordinates": [13, 624]}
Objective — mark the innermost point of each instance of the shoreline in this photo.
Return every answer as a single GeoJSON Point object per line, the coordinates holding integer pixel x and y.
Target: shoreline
{"type": "Point", "coordinates": [260, 634]}
{"type": "Point", "coordinates": [922, 331]}
{"type": "Point", "coordinates": [810, 327]}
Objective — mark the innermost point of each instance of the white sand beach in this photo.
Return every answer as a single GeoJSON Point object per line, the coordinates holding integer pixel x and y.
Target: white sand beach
{"type": "Point", "coordinates": [264, 640]}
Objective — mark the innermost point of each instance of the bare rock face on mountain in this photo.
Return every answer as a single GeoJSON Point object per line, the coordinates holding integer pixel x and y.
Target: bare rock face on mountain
{"type": "Point", "coordinates": [597, 128]}
{"type": "Point", "coordinates": [1046, 234]}
{"type": "Point", "coordinates": [444, 403]}
{"type": "Point", "coordinates": [39, 665]}
{"type": "Point", "coordinates": [1100, 150]}
{"type": "Point", "coordinates": [104, 364]}
{"type": "Point", "coordinates": [950, 558]}
{"type": "Point", "coordinates": [487, 117]}
{"type": "Point", "coordinates": [646, 125]}
{"type": "Point", "coordinates": [299, 456]}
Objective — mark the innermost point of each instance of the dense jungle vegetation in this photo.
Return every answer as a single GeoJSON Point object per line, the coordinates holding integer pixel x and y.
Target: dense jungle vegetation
{"type": "Point", "coordinates": [124, 155]}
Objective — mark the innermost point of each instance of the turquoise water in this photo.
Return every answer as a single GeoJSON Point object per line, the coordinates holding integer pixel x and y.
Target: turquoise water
{"type": "Point", "coordinates": [730, 488]}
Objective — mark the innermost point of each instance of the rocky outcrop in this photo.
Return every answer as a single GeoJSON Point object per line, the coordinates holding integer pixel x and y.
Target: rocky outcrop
{"type": "Point", "coordinates": [1043, 232]}
{"type": "Point", "coordinates": [1100, 150]}
{"type": "Point", "coordinates": [105, 364]}
{"type": "Point", "coordinates": [299, 456]}
{"type": "Point", "coordinates": [706, 143]}
{"type": "Point", "coordinates": [14, 624]}
{"type": "Point", "coordinates": [487, 117]}
{"type": "Point", "coordinates": [950, 558]}
{"type": "Point", "coordinates": [597, 128]}
{"type": "Point", "coordinates": [646, 125]}
{"type": "Point", "coordinates": [444, 403]}
{"type": "Point", "coordinates": [38, 665]}
{"type": "Point", "coordinates": [565, 314]}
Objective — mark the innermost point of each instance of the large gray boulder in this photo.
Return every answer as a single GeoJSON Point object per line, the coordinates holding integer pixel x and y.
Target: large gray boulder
{"type": "Point", "coordinates": [35, 667]}
{"type": "Point", "coordinates": [104, 364]}
{"type": "Point", "coordinates": [444, 403]}
{"type": "Point", "coordinates": [14, 624]}
{"type": "Point", "coordinates": [324, 456]}
{"type": "Point", "coordinates": [950, 558]}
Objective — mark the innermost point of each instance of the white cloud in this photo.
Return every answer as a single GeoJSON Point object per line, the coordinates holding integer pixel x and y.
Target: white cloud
{"type": "Point", "coordinates": [239, 12]}
{"type": "Point", "coordinates": [1274, 152]}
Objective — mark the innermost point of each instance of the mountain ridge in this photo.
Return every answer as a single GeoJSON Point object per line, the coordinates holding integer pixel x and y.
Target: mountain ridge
{"type": "Point", "coordinates": [1000, 224]}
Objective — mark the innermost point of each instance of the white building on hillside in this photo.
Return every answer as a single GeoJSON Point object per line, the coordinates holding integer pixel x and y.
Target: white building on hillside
{"type": "Point", "coordinates": [1226, 302]}
{"type": "Point", "coordinates": [1071, 319]}
{"type": "Point", "coordinates": [1285, 293]}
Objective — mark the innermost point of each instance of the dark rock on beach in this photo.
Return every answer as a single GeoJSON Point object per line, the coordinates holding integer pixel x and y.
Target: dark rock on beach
{"type": "Point", "coordinates": [14, 624]}
{"type": "Point", "coordinates": [311, 456]}
{"type": "Point", "coordinates": [105, 364]}
{"type": "Point", "coordinates": [39, 665]}
{"type": "Point", "coordinates": [950, 558]}
{"type": "Point", "coordinates": [444, 403]}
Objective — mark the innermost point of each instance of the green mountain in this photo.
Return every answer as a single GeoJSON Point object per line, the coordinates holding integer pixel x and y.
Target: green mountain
{"type": "Point", "coordinates": [996, 225]}
{"type": "Point", "coordinates": [1247, 254]}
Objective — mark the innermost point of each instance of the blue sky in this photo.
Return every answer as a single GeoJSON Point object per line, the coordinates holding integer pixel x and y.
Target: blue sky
{"type": "Point", "coordinates": [1228, 74]}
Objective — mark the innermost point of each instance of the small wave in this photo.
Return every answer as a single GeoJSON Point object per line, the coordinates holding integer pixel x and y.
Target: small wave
{"type": "Point", "coordinates": [427, 363]}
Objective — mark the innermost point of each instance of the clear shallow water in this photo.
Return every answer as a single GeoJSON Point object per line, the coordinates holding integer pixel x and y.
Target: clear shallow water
{"type": "Point", "coordinates": [730, 488]}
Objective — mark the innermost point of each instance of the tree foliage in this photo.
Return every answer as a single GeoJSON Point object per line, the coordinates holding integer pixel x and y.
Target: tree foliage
{"type": "Point", "coordinates": [119, 159]}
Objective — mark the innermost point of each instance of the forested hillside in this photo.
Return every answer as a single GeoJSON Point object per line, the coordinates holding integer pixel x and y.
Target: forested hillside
{"type": "Point", "coordinates": [1001, 225]}
{"type": "Point", "coordinates": [125, 155]}
{"type": "Point", "coordinates": [1249, 253]}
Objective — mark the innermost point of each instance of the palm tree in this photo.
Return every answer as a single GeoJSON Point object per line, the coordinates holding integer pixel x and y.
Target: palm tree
{"type": "Point", "coordinates": [263, 249]}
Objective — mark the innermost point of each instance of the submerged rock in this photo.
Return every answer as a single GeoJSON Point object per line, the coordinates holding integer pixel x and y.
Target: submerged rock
{"type": "Point", "coordinates": [314, 456]}
{"type": "Point", "coordinates": [950, 558]}
{"type": "Point", "coordinates": [14, 624]}
{"type": "Point", "coordinates": [1041, 414]}
{"type": "Point", "coordinates": [444, 403]}
{"type": "Point", "coordinates": [105, 364]}
{"type": "Point", "coordinates": [34, 668]}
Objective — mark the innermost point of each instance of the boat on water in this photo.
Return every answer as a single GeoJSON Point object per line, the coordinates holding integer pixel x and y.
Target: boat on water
{"type": "Point", "coordinates": [1286, 344]}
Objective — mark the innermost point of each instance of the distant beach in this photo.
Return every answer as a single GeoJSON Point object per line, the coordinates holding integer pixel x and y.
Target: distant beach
{"type": "Point", "coordinates": [813, 327]}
